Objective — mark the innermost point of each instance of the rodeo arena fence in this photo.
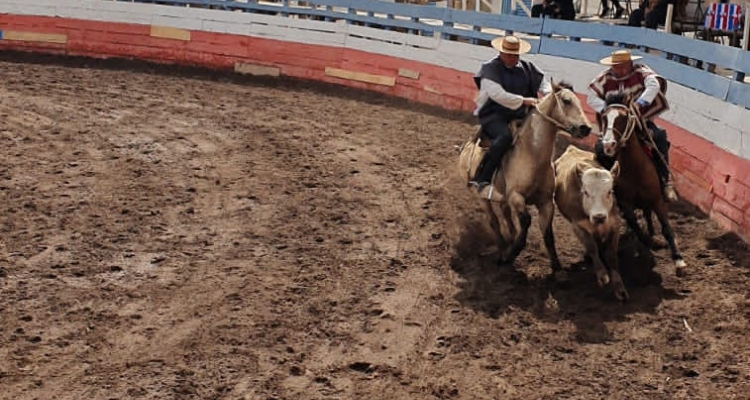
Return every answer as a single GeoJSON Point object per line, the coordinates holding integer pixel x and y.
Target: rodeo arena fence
{"type": "Point", "coordinates": [424, 53]}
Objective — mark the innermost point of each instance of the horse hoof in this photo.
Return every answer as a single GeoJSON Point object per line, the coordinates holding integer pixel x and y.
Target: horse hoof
{"type": "Point", "coordinates": [658, 244]}
{"type": "Point", "coordinates": [680, 268]}
{"type": "Point", "coordinates": [561, 277]}
{"type": "Point", "coordinates": [622, 294]}
{"type": "Point", "coordinates": [504, 261]}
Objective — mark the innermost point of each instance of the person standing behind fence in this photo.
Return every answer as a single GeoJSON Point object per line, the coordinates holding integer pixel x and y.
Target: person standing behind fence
{"type": "Point", "coordinates": [555, 9]}
{"type": "Point", "coordinates": [605, 8]}
{"type": "Point", "coordinates": [653, 12]}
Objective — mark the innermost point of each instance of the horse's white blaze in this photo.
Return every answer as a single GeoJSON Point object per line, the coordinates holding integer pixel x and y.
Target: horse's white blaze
{"type": "Point", "coordinates": [608, 139]}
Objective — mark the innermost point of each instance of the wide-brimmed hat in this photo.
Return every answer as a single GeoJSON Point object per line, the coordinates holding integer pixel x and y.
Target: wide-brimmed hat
{"type": "Point", "coordinates": [619, 57]}
{"type": "Point", "coordinates": [511, 44]}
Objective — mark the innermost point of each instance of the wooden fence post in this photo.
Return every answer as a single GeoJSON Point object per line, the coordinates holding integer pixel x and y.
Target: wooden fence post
{"type": "Point", "coordinates": [746, 28]}
{"type": "Point", "coordinates": [670, 15]}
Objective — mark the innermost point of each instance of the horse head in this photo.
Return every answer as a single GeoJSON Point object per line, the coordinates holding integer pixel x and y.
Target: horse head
{"type": "Point", "coordinates": [618, 122]}
{"type": "Point", "coordinates": [563, 108]}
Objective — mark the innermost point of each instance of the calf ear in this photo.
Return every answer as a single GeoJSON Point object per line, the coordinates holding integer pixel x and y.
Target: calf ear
{"type": "Point", "coordinates": [615, 170]}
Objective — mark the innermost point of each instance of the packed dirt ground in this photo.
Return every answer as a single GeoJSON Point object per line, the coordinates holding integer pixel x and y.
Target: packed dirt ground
{"type": "Point", "coordinates": [175, 234]}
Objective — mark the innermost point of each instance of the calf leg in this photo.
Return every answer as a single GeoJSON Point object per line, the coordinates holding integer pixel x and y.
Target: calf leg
{"type": "Point", "coordinates": [592, 250]}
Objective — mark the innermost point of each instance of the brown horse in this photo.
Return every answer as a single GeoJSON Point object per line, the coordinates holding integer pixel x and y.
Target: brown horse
{"type": "Point", "coordinates": [526, 176]}
{"type": "Point", "coordinates": [637, 187]}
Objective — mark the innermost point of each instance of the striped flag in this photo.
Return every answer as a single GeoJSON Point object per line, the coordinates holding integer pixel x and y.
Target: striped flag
{"type": "Point", "coordinates": [723, 17]}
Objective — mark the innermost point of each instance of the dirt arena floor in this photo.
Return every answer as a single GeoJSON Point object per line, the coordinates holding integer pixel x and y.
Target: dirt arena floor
{"type": "Point", "coordinates": [173, 235]}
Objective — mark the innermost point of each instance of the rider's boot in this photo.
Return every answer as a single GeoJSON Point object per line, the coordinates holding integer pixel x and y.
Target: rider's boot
{"type": "Point", "coordinates": [487, 167]}
{"type": "Point", "coordinates": [661, 162]}
{"type": "Point", "coordinates": [669, 193]}
{"type": "Point", "coordinates": [662, 169]}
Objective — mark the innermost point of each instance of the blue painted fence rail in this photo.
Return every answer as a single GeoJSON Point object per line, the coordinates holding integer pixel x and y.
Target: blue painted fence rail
{"type": "Point", "coordinates": [680, 59]}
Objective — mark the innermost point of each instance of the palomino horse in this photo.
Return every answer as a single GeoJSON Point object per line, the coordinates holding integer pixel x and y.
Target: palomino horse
{"type": "Point", "coordinates": [638, 186]}
{"type": "Point", "coordinates": [526, 176]}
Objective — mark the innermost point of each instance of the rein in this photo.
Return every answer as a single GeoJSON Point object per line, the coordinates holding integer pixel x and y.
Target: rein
{"type": "Point", "coordinates": [633, 122]}
{"type": "Point", "coordinates": [550, 119]}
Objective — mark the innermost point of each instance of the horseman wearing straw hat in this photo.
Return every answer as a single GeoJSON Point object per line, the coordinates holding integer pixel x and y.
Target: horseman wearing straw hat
{"type": "Point", "coordinates": [648, 88]}
{"type": "Point", "coordinates": [508, 86]}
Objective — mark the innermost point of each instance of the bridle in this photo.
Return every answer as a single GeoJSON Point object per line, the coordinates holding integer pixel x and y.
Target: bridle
{"type": "Point", "coordinates": [634, 121]}
{"type": "Point", "coordinates": [551, 120]}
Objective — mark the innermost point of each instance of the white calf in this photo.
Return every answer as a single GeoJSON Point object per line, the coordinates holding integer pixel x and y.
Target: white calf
{"type": "Point", "coordinates": [585, 197]}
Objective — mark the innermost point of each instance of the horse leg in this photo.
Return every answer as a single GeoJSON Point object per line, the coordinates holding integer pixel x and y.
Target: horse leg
{"type": "Point", "coordinates": [518, 208]}
{"type": "Point", "coordinates": [546, 213]}
{"type": "Point", "coordinates": [629, 214]}
{"type": "Point", "coordinates": [495, 225]}
{"type": "Point", "coordinates": [666, 231]}
{"type": "Point", "coordinates": [647, 215]}
{"type": "Point", "coordinates": [655, 244]}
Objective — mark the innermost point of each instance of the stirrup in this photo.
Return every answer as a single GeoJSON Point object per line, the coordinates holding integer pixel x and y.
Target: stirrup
{"type": "Point", "coordinates": [488, 192]}
{"type": "Point", "coordinates": [669, 193]}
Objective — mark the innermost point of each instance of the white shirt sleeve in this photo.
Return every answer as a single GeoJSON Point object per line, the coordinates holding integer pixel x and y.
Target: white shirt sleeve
{"type": "Point", "coordinates": [546, 87]}
{"type": "Point", "coordinates": [651, 89]}
{"type": "Point", "coordinates": [595, 102]}
{"type": "Point", "coordinates": [492, 90]}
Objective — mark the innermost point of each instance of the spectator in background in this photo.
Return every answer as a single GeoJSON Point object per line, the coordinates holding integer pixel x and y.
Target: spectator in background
{"type": "Point", "coordinates": [555, 9]}
{"type": "Point", "coordinates": [605, 9]}
{"type": "Point", "coordinates": [654, 12]}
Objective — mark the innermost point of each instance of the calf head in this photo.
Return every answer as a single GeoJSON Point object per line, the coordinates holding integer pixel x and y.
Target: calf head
{"type": "Point", "coordinates": [598, 195]}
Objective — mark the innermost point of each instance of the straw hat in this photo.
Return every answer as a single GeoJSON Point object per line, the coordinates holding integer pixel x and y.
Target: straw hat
{"type": "Point", "coordinates": [619, 57]}
{"type": "Point", "coordinates": [511, 45]}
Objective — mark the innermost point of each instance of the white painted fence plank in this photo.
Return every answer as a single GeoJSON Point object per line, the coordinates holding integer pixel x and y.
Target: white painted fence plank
{"type": "Point", "coordinates": [427, 42]}
{"type": "Point", "coordinates": [27, 9]}
{"type": "Point", "coordinates": [177, 22]}
{"type": "Point", "coordinates": [227, 27]}
{"type": "Point", "coordinates": [394, 50]}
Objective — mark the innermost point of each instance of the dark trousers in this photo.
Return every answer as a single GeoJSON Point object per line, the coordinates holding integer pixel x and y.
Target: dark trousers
{"type": "Point", "coordinates": [661, 162]}
{"type": "Point", "coordinates": [501, 140]}
{"type": "Point", "coordinates": [652, 19]}
{"type": "Point", "coordinates": [605, 4]}
{"type": "Point", "coordinates": [556, 10]}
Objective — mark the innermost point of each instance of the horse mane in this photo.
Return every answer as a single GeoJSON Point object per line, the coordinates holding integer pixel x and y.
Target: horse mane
{"type": "Point", "coordinates": [557, 86]}
{"type": "Point", "coordinates": [618, 97]}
